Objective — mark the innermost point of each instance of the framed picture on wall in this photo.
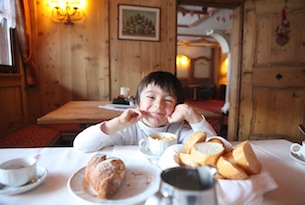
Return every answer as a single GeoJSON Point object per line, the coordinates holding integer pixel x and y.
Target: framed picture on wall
{"type": "Point", "coordinates": [139, 23]}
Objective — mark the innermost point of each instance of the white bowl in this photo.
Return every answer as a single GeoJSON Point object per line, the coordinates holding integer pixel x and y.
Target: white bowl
{"type": "Point", "coordinates": [17, 172]}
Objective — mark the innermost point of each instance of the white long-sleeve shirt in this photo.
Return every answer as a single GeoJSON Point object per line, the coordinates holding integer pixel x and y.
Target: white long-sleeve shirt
{"type": "Point", "coordinates": [93, 138]}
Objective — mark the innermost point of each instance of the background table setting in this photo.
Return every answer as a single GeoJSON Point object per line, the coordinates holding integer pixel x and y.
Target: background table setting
{"type": "Point", "coordinates": [62, 183]}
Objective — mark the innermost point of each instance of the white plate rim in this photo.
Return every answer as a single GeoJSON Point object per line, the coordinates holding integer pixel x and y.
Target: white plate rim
{"type": "Point", "coordinates": [152, 188]}
{"type": "Point", "coordinates": [297, 158]}
{"type": "Point", "coordinates": [41, 174]}
{"type": "Point", "coordinates": [121, 106]}
{"type": "Point", "coordinates": [149, 154]}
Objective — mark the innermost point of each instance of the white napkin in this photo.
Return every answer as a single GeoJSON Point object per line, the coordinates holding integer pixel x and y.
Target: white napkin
{"type": "Point", "coordinates": [249, 191]}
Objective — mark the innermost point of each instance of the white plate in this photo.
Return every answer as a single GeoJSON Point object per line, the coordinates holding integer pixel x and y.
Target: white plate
{"type": "Point", "coordinates": [149, 154]}
{"type": "Point", "coordinates": [298, 158]}
{"type": "Point", "coordinates": [121, 106]}
{"type": "Point", "coordinates": [41, 176]}
{"type": "Point", "coordinates": [142, 180]}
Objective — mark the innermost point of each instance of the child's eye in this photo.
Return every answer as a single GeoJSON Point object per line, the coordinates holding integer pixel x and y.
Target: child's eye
{"type": "Point", "coordinates": [169, 100]}
{"type": "Point", "coordinates": [150, 97]}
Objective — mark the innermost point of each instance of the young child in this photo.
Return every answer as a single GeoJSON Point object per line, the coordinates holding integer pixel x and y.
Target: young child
{"type": "Point", "coordinates": [160, 108]}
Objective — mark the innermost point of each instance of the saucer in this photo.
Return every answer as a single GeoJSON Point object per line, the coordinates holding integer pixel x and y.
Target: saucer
{"type": "Point", "coordinates": [40, 177]}
{"type": "Point", "coordinates": [298, 158]}
{"type": "Point", "coordinates": [149, 154]}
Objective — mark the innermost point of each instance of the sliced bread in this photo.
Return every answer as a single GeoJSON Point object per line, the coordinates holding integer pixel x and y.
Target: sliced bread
{"type": "Point", "coordinates": [196, 137]}
{"type": "Point", "coordinates": [227, 168]}
{"type": "Point", "coordinates": [187, 160]}
{"type": "Point", "coordinates": [246, 159]}
{"type": "Point", "coordinates": [207, 153]}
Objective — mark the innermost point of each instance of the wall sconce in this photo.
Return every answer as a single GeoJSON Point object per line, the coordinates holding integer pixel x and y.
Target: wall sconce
{"type": "Point", "coordinates": [182, 64]}
{"type": "Point", "coordinates": [68, 10]}
{"type": "Point", "coordinates": [182, 60]}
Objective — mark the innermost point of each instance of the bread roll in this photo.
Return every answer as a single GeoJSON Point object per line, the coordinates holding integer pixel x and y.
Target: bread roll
{"type": "Point", "coordinates": [196, 137]}
{"type": "Point", "coordinates": [105, 175]}
{"type": "Point", "coordinates": [227, 168]}
{"type": "Point", "coordinates": [245, 158]}
{"type": "Point", "coordinates": [216, 141]}
{"type": "Point", "coordinates": [186, 159]}
{"type": "Point", "coordinates": [207, 153]}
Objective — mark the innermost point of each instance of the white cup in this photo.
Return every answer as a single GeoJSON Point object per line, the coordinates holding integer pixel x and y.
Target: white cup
{"type": "Point", "coordinates": [124, 91]}
{"type": "Point", "coordinates": [17, 172]}
{"type": "Point", "coordinates": [297, 149]}
{"type": "Point", "coordinates": [158, 142]}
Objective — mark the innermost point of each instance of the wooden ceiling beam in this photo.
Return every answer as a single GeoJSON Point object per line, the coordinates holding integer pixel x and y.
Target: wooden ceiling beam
{"type": "Point", "coordinates": [229, 4]}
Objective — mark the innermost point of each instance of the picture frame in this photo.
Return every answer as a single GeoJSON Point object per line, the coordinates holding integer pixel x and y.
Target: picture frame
{"type": "Point", "coordinates": [138, 23]}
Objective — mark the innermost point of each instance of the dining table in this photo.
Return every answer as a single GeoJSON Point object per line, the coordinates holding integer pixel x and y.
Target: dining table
{"type": "Point", "coordinates": [62, 163]}
{"type": "Point", "coordinates": [90, 112]}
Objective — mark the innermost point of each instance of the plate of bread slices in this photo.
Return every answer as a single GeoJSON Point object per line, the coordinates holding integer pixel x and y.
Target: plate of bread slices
{"type": "Point", "coordinates": [241, 178]}
{"type": "Point", "coordinates": [111, 180]}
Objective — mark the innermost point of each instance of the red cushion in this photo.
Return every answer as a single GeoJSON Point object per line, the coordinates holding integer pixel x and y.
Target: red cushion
{"type": "Point", "coordinates": [30, 136]}
{"type": "Point", "coordinates": [64, 127]}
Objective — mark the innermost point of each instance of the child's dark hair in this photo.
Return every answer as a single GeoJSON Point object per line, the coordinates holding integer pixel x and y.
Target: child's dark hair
{"type": "Point", "coordinates": [166, 80]}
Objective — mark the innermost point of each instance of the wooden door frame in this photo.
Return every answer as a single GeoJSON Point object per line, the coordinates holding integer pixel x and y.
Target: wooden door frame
{"type": "Point", "coordinates": [236, 62]}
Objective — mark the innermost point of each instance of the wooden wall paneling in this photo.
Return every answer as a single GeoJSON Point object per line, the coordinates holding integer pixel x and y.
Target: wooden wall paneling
{"type": "Point", "coordinates": [168, 44]}
{"type": "Point", "coordinates": [94, 52]}
{"type": "Point", "coordinates": [131, 60]}
{"type": "Point", "coordinates": [104, 55]}
{"type": "Point", "coordinates": [272, 100]}
{"type": "Point", "coordinates": [65, 64]}
{"type": "Point", "coordinates": [233, 85]}
{"type": "Point", "coordinates": [246, 75]}
{"type": "Point", "coordinates": [48, 59]}
{"type": "Point", "coordinates": [11, 107]}
{"type": "Point", "coordinates": [268, 19]}
{"type": "Point", "coordinates": [73, 60]}
{"type": "Point", "coordinates": [273, 118]}
{"type": "Point", "coordinates": [279, 76]}
{"type": "Point", "coordinates": [300, 46]}
{"type": "Point", "coordinates": [33, 93]}
{"type": "Point", "coordinates": [125, 54]}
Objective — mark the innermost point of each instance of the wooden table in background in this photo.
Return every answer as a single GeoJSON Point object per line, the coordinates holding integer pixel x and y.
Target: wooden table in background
{"type": "Point", "coordinates": [89, 112]}
{"type": "Point", "coordinates": [195, 90]}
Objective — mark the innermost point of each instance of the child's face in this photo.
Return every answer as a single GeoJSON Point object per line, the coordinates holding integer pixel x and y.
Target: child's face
{"type": "Point", "coordinates": [158, 104]}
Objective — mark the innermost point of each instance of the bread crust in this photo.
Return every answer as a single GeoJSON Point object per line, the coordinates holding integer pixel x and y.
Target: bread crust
{"type": "Point", "coordinates": [245, 158]}
{"type": "Point", "coordinates": [207, 153]}
{"type": "Point", "coordinates": [228, 169]}
{"type": "Point", "coordinates": [105, 175]}
{"type": "Point", "coordinates": [187, 160]}
{"type": "Point", "coordinates": [195, 138]}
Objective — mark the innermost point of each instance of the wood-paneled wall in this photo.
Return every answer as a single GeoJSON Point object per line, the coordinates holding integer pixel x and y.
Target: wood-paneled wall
{"type": "Point", "coordinates": [86, 61]}
{"type": "Point", "coordinates": [272, 78]}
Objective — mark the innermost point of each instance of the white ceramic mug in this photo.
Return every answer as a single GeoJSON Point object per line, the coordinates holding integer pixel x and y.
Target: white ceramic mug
{"type": "Point", "coordinates": [298, 149]}
{"type": "Point", "coordinates": [182, 185]}
{"type": "Point", "coordinates": [158, 142]}
{"type": "Point", "coordinates": [17, 172]}
{"type": "Point", "coordinates": [124, 91]}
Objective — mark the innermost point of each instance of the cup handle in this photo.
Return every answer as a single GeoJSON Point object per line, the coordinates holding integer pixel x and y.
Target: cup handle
{"type": "Point", "coordinates": [295, 148]}
{"type": "Point", "coordinates": [143, 143]}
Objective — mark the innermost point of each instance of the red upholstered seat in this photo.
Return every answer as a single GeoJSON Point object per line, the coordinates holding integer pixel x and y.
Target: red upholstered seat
{"type": "Point", "coordinates": [30, 136]}
{"type": "Point", "coordinates": [64, 128]}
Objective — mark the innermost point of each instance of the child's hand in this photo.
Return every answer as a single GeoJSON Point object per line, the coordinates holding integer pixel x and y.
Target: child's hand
{"type": "Point", "coordinates": [126, 119]}
{"type": "Point", "coordinates": [131, 116]}
{"type": "Point", "coordinates": [184, 112]}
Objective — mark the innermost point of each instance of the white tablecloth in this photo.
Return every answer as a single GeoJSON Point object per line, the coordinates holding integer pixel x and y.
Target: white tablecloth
{"type": "Point", "coordinates": [61, 163]}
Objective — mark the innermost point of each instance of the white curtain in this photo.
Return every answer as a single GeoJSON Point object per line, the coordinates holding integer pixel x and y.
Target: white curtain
{"type": "Point", "coordinates": [7, 11]}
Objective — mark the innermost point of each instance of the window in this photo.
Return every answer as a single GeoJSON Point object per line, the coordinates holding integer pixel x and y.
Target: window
{"type": "Point", "coordinates": [5, 45]}
{"type": "Point", "coordinates": [7, 36]}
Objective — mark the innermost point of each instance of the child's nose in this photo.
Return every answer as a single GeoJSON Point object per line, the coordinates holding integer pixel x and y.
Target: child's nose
{"type": "Point", "coordinates": [159, 103]}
